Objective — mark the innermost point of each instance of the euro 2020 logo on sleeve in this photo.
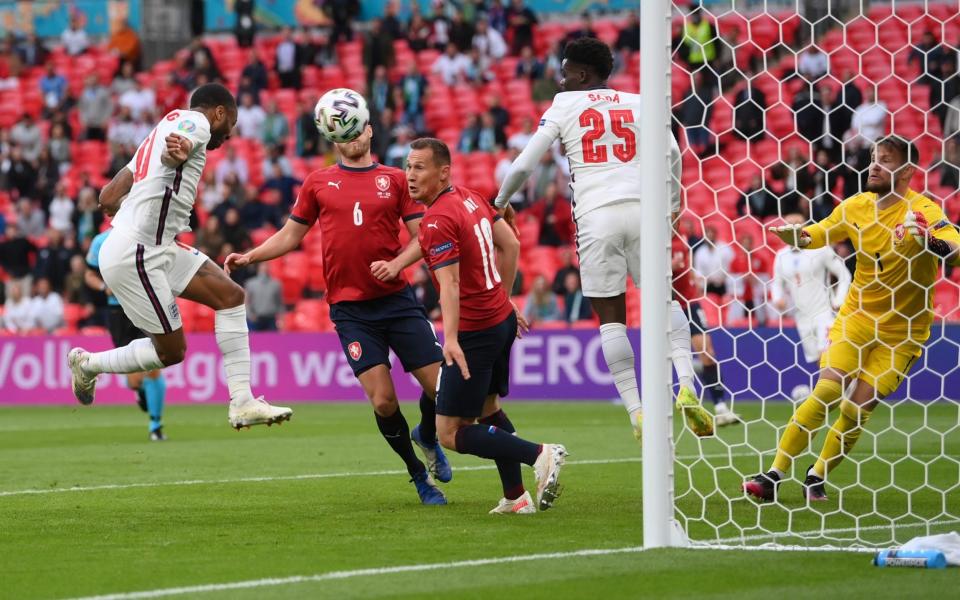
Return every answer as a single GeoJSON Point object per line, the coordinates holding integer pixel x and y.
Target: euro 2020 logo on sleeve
{"type": "Point", "coordinates": [187, 126]}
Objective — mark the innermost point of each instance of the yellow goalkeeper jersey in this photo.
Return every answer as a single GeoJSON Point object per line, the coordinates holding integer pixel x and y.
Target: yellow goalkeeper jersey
{"type": "Point", "coordinates": [893, 282]}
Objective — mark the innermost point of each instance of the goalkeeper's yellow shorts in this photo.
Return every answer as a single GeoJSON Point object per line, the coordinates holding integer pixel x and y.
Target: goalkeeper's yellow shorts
{"type": "Point", "coordinates": [878, 359]}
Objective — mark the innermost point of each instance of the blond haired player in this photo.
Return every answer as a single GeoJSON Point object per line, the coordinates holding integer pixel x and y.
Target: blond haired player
{"type": "Point", "coordinates": [900, 238]}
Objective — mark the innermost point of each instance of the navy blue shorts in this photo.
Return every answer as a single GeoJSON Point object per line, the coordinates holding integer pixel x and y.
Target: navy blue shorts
{"type": "Point", "coordinates": [698, 320]}
{"type": "Point", "coordinates": [488, 357]}
{"type": "Point", "coordinates": [369, 329]}
{"type": "Point", "coordinates": [122, 331]}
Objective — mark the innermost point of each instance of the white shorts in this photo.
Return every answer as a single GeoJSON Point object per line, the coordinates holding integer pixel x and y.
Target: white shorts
{"type": "Point", "coordinates": [814, 335]}
{"type": "Point", "coordinates": [147, 279]}
{"type": "Point", "coordinates": [608, 242]}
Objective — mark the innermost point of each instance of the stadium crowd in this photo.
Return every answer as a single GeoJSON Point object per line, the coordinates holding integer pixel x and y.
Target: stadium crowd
{"type": "Point", "coordinates": [97, 118]}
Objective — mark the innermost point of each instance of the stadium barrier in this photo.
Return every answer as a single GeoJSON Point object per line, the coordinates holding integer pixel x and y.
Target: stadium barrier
{"type": "Point", "coordinates": [546, 365]}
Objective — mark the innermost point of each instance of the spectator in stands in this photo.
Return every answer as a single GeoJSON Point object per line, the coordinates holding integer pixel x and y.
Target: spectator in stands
{"type": "Point", "coordinates": [231, 164]}
{"type": "Point", "coordinates": [546, 87]}
{"type": "Point", "coordinates": [256, 73]}
{"type": "Point", "coordinates": [824, 177]}
{"type": "Point", "coordinates": [711, 261]}
{"type": "Point", "coordinates": [380, 91]}
{"type": "Point", "coordinates": [17, 253]}
{"type": "Point", "coordinates": [946, 89]}
{"type": "Point", "coordinates": [729, 73]}
{"type": "Point", "coordinates": [414, 86]}
{"type": "Point", "coordinates": [838, 118]}
{"type": "Point", "coordinates": [489, 41]}
{"type": "Point", "coordinates": [250, 119]}
{"type": "Point", "coordinates": [87, 217]}
{"type": "Point", "coordinates": [31, 50]}
{"type": "Point", "coordinates": [61, 210]}
{"type": "Point", "coordinates": [342, 12]}
{"type": "Point", "coordinates": [210, 238]}
{"type": "Point", "coordinates": [928, 55]}
{"type": "Point", "coordinates": [169, 94]}
{"type": "Point", "coordinates": [812, 63]}
{"type": "Point", "coordinates": [95, 106]}
{"type": "Point", "coordinates": [528, 66]}
{"type": "Point", "coordinates": [398, 150]}
{"type": "Point", "coordinates": [469, 135]}
{"type": "Point", "coordinates": [377, 47]}
{"type": "Point", "coordinates": [46, 307]}
{"type": "Point", "coordinates": [19, 173]}
{"type": "Point", "coordinates": [452, 66]}
{"type": "Point", "coordinates": [518, 200]}
{"type": "Point", "coordinates": [261, 207]}
{"type": "Point", "coordinates": [490, 138]}
{"type": "Point", "coordinates": [575, 306]}
{"type": "Point", "coordinates": [75, 290]}
{"type": "Point", "coordinates": [17, 316]}
{"type": "Point", "coordinates": [699, 39]}
{"type": "Point", "coordinates": [478, 68]}
{"type": "Point", "coordinates": [694, 113]}
{"type": "Point", "coordinates": [276, 130]}
{"type": "Point", "coordinates": [460, 31]}
{"type": "Point", "coordinates": [319, 52]}
{"type": "Point", "coordinates": [308, 138]}
{"type": "Point", "coordinates": [585, 29]}
{"type": "Point", "coordinates": [520, 139]}
{"type": "Point", "coordinates": [283, 184]}
{"type": "Point", "coordinates": [124, 80]}
{"type": "Point", "coordinates": [855, 165]}
{"type": "Point", "coordinates": [235, 236]}
{"type": "Point", "coordinates": [125, 43]}
{"type": "Point", "coordinates": [264, 300]}
{"type": "Point", "coordinates": [74, 38]}
{"type": "Point", "coordinates": [48, 174]}
{"type": "Point", "coordinates": [628, 40]}
{"type": "Point", "coordinates": [501, 116]}
{"type": "Point", "coordinates": [870, 118]}
{"type": "Point", "coordinates": [808, 108]}
{"type": "Point", "coordinates": [541, 303]}
{"type": "Point", "coordinates": [566, 267]}
{"type": "Point", "coordinates": [276, 157]}
{"type": "Point", "coordinates": [200, 61]}
{"type": "Point", "coordinates": [418, 33]}
{"type": "Point", "coordinates": [53, 87]}
{"type": "Point", "coordinates": [851, 94]}
{"type": "Point", "coordinates": [123, 131]}
{"type": "Point", "coordinates": [59, 146]}
{"type": "Point", "coordinates": [60, 118]}
{"type": "Point", "coordinates": [950, 164]}
{"type": "Point", "coordinates": [290, 60]}
{"type": "Point", "coordinates": [53, 259]}
{"type": "Point", "coordinates": [757, 201]}
{"type": "Point", "coordinates": [27, 135]}
{"type": "Point", "coordinates": [141, 101]}
{"type": "Point", "coordinates": [749, 107]}
{"type": "Point", "coordinates": [555, 215]}
{"type": "Point", "coordinates": [548, 171]}
{"type": "Point", "coordinates": [521, 21]}
{"type": "Point", "coordinates": [425, 292]}
{"type": "Point", "coordinates": [31, 218]}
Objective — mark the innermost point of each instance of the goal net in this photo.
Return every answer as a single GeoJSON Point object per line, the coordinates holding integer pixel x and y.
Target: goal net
{"type": "Point", "coordinates": [777, 108]}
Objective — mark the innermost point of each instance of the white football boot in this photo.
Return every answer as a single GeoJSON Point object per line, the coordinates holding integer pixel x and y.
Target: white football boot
{"type": "Point", "coordinates": [547, 469]}
{"type": "Point", "coordinates": [725, 416]}
{"type": "Point", "coordinates": [256, 412]}
{"type": "Point", "coordinates": [521, 506]}
{"type": "Point", "coordinates": [84, 384]}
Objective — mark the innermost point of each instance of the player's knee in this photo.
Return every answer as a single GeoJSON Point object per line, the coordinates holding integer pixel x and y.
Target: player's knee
{"type": "Point", "coordinates": [384, 405]}
{"type": "Point", "coordinates": [234, 297]}
{"type": "Point", "coordinates": [448, 438]}
{"type": "Point", "coordinates": [171, 356]}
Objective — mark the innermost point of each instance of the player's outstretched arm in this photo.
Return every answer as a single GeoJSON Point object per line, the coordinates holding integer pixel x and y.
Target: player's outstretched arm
{"type": "Point", "coordinates": [523, 166]}
{"type": "Point", "coordinates": [792, 235]}
{"type": "Point", "coordinates": [112, 195]}
{"type": "Point", "coordinates": [278, 244]}
{"type": "Point", "coordinates": [449, 279]}
{"type": "Point", "coordinates": [388, 270]}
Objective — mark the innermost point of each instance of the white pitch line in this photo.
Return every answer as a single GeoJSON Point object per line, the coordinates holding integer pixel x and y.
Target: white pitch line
{"type": "Point", "coordinates": [337, 575]}
{"type": "Point", "coordinates": [823, 532]}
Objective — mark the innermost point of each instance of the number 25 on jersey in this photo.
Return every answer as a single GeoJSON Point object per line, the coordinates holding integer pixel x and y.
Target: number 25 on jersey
{"type": "Point", "coordinates": [597, 153]}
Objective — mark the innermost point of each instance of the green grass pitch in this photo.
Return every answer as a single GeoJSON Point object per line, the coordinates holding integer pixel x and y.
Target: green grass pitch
{"type": "Point", "coordinates": [322, 497]}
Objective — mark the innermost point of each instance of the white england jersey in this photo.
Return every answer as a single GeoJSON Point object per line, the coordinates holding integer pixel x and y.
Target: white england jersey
{"type": "Point", "coordinates": [159, 203]}
{"type": "Point", "coordinates": [600, 133]}
{"type": "Point", "coordinates": [804, 276]}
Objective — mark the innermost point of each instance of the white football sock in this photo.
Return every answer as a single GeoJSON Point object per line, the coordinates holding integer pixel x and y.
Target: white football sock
{"type": "Point", "coordinates": [618, 353]}
{"type": "Point", "coordinates": [680, 345]}
{"type": "Point", "coordinates": [230, 327]}
{"type": "Point", "coordinates": [138, 355]}
{"type": "Point", "coordinates": [721, 407]}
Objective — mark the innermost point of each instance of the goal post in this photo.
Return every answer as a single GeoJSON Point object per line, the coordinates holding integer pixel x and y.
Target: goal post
{"type": "Point", "coordinates": [787, 99]}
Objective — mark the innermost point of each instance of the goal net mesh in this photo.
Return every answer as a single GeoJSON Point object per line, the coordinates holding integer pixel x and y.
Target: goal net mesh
{"type": "Point", "coordinates": [776, 108]}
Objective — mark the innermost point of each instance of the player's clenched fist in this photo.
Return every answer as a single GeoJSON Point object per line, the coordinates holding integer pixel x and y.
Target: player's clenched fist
{"type": "Point", "coordinates": [235, 261]}
{"type": "Point", "coordinates": [453, 353]}
{"type": "Point", "coordinates": [792, 234]}
{"type": "Point", "coordinates": [178, 147]}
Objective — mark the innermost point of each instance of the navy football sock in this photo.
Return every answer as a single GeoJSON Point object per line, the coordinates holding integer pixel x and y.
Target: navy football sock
{"type": "Point", "coordinates": [428, 419]}
{"type": "Point", "coordinates": [511, 475]}
{"type": "Point", "coordinates": [487, 441]}
{"type": "Point", "coordinates": [395, 430]}
{"type": "Point", "coordinates": [711, 382]}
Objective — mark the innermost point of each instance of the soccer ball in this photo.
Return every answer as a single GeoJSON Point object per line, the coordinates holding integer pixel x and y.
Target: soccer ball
{"type": "Point", "coordinates": [800, 393]}
{"type": "Point", "coordinates": [341, 114]}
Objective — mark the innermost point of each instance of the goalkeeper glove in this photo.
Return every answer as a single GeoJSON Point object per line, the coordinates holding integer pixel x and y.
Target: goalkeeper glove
{"type": "Point", "coordinates": [917, 226]}
{"type": "Point", "coordinates": [793, 235]}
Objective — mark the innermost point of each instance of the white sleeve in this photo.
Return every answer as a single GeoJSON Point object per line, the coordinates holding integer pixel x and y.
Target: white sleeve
{"type": "Point", "coordinates": [676, 169]}
{"type": "Point", "coordinates": [776, 286]}
{"type": "Point", "coordinates": [839, 270]}
{"type": "Point", "coordinates": [525, 163]}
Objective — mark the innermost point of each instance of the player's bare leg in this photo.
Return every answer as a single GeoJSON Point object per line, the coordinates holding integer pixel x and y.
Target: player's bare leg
{"type": "Point", "coordinates": [211, 287]}
{"type": "Point", "coordinates": [425, 434]}
{"type": "Point", "coordinates": [806, 421]}
{"type": "Point", "coordinates": [378, 387]}
{"type": "Point", "coordinates": [621, 361]}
